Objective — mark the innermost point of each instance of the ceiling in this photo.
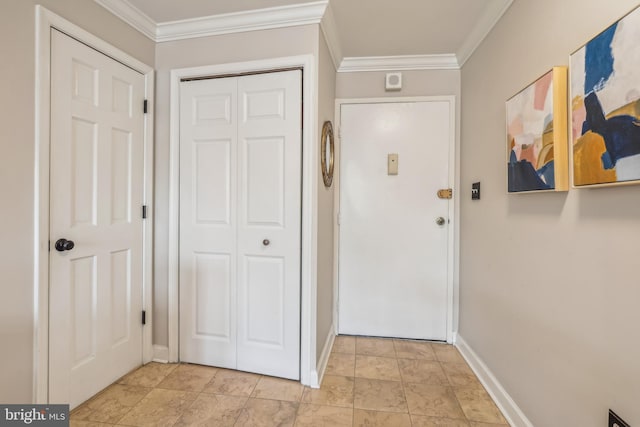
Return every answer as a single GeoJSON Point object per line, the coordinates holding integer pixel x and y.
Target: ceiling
{"type": "Point", "coordinates": [361, 28]}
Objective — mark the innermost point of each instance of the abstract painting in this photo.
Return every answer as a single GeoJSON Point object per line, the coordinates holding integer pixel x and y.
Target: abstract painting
{"type": "Point", "coordinates": [605, 106]}
{"type": "Point", "coordinates": [537, 154]}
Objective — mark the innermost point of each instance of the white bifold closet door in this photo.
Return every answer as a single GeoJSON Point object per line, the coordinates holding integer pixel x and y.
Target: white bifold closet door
{"type": "Point", "coordinates": [240, 219]}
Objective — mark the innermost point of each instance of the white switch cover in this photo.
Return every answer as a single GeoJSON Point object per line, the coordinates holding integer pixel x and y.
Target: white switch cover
{"type": "Point", "coordinates": [392, 164]}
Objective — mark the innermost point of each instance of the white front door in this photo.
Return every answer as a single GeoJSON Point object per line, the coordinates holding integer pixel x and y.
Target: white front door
{"type": "Point", "coordinates": [240, 201]}
{"type": "Point", "coordinates": [96, 192]}
{"type": "Point", "coordinates": [393, 261]}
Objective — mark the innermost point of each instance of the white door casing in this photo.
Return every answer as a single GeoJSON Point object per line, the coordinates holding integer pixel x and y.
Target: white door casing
{"type": "Point", "coordinates": [240, 223]}
{"type": "Point", "coordinates": [394, 260]}
{"type": "Point", "coordinates": [96, 194]}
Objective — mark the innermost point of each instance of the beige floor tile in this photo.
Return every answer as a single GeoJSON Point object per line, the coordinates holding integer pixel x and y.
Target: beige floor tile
{"type": "Point", "coordinates": [379, 395]}
{"type": "Point", "coordinates": [234, 383]}
{"type": "Point", "coordinates": [150, 375]}
{"type": "Point", "coordinates": [422, 371]}
{"type": "Point", "coordinates": [474, 424]}
{"type": "Point", "coordinates": [278, 389]}
{"type": "Point", "coordinates": [422, 421]}
{"type": "Point", "coordinates": [159, 408]}
{"type": "Point", "coordinates": [377, 368]}
{"type": "Point", "coordinates": [188, 378]}
{"type": "Point", "coordinates": [381, 347]}
{"type": "Point", "coordinates": [461, 375]}
{"type": "Point", "coordinates": [478, 406]}
{"type": "Point", "coordinates": [335, 391]}
{"type": "Point", "coordinates": [84, 423]}
{"type": "Point", "coordinates": [341, 364]}
{"type": "Point", "coordinates": [212, 410]}
{"type": "Point", "coordinates": [368, 381]}
{"type": "Point", "coordinates": [344, 344]}
{"type": "Point", "coordinates": [447, 353]}
{"type": "Point", "coordinates": [267, 413]}
{"type": "Point", "coordinates": [323, 416]}
{"type": "Point", "coordinates": [407, 349]}
{"type": "Point", "coordinates": [433, 401]}
{"type": "Point", "coordinates": [380, 419]}
{"type": "Point", "coordinates": [111, 404]}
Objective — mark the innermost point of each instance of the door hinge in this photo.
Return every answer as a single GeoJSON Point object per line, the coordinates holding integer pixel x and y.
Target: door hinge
{"type": "Point", "coordinates": [144, 211]}
{"type": "Point", "coordinates": [338, 218]}
{"type": "Point", "coordinates": [144, 317]}
{"type": "Point", "coordinates": [145, 106]}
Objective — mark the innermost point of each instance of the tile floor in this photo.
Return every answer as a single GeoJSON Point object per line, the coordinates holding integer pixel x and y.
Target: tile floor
{"type": "Point", "coordinates": [368, 382]}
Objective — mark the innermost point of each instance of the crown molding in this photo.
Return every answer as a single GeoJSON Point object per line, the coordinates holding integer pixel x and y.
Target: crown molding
{"type": "Point", "coordinates": [483, 27]}
{"type": "Point", "coordinates": [252, 20]}
{"type": "Point", "coordinates": [330, 31]}
{"type": "Point", "coordinates": [319, 12]}
{"type": "Point", "coordinates": [132, 16]}
{"type": "Point", "coordinates": [447, 61]}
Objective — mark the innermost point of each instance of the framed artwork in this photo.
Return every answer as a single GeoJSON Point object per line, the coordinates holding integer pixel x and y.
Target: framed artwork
{"type": "Point", "coordinates": [605, 106]}
{"type": "Point", "coordinates": [537, 153]}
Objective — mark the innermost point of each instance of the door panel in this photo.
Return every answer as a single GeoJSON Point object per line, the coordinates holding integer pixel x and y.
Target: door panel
{"type": "Point", "coordinates": [84, 178]}
{"type": "Point", "coordinates": [240, 191]}
{"type": "Point", "coordinates": [96, 180]}
{"type": "Point", "coordinates": [393, 255]}
{"type": "Point", "coordinates": [121, 175]}
{"type": "Point", "coordinates": [120, 296]}
{"type": "Point", "coordinates": [213, 296]}
{"type": "Point", "coordinates": [269, 231]}
{"type": "Point", "coordinates": [208, 227]}
{"type": "Point", "coordinates": [265, 304]}
{"type": "Point", "coordinates": [212, 160]}
{"type": "Point", "coordinates": [83, 315]}
{"type": "Point", "coordinates": [264, 178]}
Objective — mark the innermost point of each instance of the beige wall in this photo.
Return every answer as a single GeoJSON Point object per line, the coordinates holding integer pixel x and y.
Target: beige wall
{"type": "Point", "coordinates": [370, 84]}
{"type": "Point", "coordinates": [326, 107]}
{"type": "Point", "coordinates": [17, 77]}
{"type": "Point", "coordinates": [549, 282]}
{"type": "Point", "coordinates": [222, 49]}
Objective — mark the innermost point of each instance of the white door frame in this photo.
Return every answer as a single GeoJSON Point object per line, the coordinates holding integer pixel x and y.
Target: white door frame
{"type": "Point", "coordinates": [45, 21]}
{"type": "Point", "coordinates": [453, 254]}
{"type": "Point", "coordinates": [308, 370]}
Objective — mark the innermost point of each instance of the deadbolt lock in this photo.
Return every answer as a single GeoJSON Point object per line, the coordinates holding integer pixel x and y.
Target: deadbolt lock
{"type": "Point", "coordinates": [446, 193]}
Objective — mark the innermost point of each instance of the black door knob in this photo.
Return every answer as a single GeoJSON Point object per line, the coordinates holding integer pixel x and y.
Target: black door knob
{"type": "Point", "coordinates": [64, 245]}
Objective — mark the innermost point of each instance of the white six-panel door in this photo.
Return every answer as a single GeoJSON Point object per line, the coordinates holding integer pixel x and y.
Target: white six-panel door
{"type": "Point", "coordinates": [96, 196]}
{"type": "Point", "coordinates": [393, 274]}
{"type": "Point", "coordinates": [240, 201]}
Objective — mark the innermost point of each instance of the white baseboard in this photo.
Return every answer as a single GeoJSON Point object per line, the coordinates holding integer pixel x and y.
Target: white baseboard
{"type": "Point", "coordinates": [507, 405]}
{"type": "Point", "coordinates": [316, 377]}
{"type": "Point", "coordinates": [160, 353]}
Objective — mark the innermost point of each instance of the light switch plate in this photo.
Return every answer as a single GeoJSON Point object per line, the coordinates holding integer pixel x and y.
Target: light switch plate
{"type": "Point", "coordinates": [392, 164]}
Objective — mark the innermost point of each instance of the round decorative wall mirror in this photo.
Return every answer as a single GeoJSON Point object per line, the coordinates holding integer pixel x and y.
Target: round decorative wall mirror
{"type": "Point", "coordinates": [327, 153]}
